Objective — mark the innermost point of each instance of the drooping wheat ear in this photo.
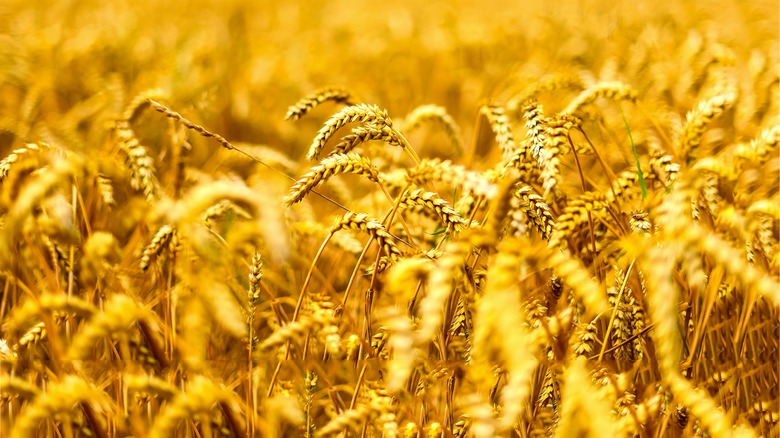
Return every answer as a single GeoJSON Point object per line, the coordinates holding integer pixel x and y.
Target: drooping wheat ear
{"type": "Point", "coordinates": [577, 212]}
{"type": "Point", "coordinates": [609, 90]}
{"type": "Point", "coordinates": [759, 150]}
{"type": "Point", "coordinates": [436, 114]}
{"type": "Point", "coordinates": [142, 173]}
{"type": "Point", "coordinates": [353, 418]}
{"type": "Point", "coordinates": [159, 243]}
{"type": "Point", "coordinates": [664, 169]}
{"type": "Point", "coordinates": [402, 341]}
{"type": "Point", "coordinates": [118, 315]}
{"type": "Point", "coordinates": [535, 208]}
{"type": "Point", "coordinates": [501, 128]}
{"type": "Point", "coordinates": [16, 155]}
{"type": "Point", "coordinates": [557, 134]}
{"type": "Point", "coordinates": [551, 82]}
{"type": "Point", "coordinates": [456, 175]}
{"type": "Point", "coordinates": [533, 113]}
{"type": "Point", "coordinates": [499, 308]}
{"type": "Point", "coordinates": [367, 133]}
{"type": "Point", "coordinates": [332, 165]}
{"type": "Point", "coordinates": [255, 277]}
{"type": "Point", "coordinates": [140, 102]}
{"type": "Point", "coordinates": [697, 120]}
{"type": "Point", "coordinates": [201, 396]}
{"type": "Point", "coordinates": [431, 200]}
{"type": "Point", "coordinates": [333, 94]}
{"type": "Point", "coordinates": [356, 113]}
{"type": "Point", "coordinates": [59, 398]}
{"type": "Point", "coordinates": [374, 228]}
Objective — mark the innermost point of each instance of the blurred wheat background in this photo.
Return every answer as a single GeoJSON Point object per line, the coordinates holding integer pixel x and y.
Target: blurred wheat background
{"type": "Point", "coordinates": [381, 219]}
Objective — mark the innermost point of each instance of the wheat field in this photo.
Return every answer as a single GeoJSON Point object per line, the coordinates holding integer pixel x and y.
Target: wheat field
{"type": "Point", "coordinates": [398, 219]}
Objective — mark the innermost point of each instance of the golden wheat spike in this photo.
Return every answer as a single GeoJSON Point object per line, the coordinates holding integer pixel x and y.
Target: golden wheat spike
{"type": "Point", "coordinates": [439, 115]}
{"type": "Point", "coordinates": [697, 120]}
{"type": "Point", "coordinates": [362, 113]}
{"type": "Point", "coordinates": [308, 103]}
{"type": "Point", "coordinates": [332, 165]}
{"type": "Point", "coordinates": [500, 125]}
{"type": "Point", "coordinates": [609, 90]}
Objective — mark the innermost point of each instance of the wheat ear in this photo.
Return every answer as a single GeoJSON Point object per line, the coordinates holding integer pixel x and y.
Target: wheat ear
{"type": "Point", "coordinates": [142, 173]}
{"type": "Point", "coordinates": [364, 134]}
{"type": "Point", "coordinates": [697, 120]}
{"type": "Point", "coordinates": [499, 123]}
{"type": "Point", "coordinates": [356, 113]}
{"type": "Point", "coordinates": [332, 165]}
{"type": "Point", "coordinates": [609, 90]}
{"type": "Point", "coordinates": [432, 201]}
{"type": "Point", "coordinates": [374, 228]}
{"type": "Point", "coordinates": [308, 103]}
{"type": "Point", "coordinates": [17, 154]}
{"type": "Point", "coordinates": [439, 115]}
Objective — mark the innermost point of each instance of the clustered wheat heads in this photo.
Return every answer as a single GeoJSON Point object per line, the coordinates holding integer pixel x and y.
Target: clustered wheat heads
{"type": "Point", "coordinates": [597, 255]}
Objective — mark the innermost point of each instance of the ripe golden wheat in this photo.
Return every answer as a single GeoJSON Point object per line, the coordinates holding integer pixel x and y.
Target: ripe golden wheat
{"type": "Point", "coordinates": [505, 221]}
